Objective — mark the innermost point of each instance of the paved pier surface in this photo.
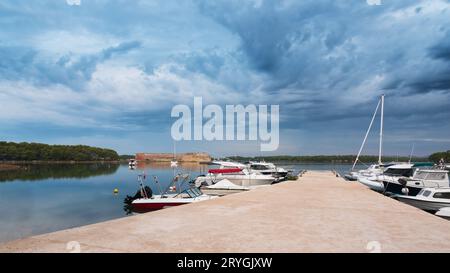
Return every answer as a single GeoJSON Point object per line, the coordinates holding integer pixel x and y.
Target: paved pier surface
{"type": "Point", "coordinates": [317, 213]}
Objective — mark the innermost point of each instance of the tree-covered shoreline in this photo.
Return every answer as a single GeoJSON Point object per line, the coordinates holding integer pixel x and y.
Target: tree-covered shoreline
{"type": "Point", "coordinates": [337, 159]}
{"type": "Point", "coordinates": [24, 151]}
{"type": "Point", "coordinates": [436, 157]}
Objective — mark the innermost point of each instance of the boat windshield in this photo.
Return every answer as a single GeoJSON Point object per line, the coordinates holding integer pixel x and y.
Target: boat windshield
{"type": "Point", "coordinates": [426, 193]}
{"type": "Point", "coordinates": [193, 192]}
{"type": "Point", "coordinates": [259, 167]}
{"type": "Point", "coordinates": [399, 172]}
{"type": "Point", "coordinates": [430, 175]}
{"type": "Point", "coordinates": [442, 195]}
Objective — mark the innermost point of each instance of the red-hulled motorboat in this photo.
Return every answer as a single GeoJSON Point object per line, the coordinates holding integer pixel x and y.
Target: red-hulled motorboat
{"type": "Point", "coordinates": [145, 200]}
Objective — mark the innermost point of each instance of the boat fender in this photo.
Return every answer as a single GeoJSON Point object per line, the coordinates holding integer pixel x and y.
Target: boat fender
{"type": "Point", "coordinates": [402, 181]}
{"type": "Point", "coordinates": [405, 191]}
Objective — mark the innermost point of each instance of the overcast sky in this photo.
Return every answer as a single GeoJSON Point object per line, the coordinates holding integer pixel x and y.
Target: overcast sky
{"type": "Point", "coordinates": [107, 73]}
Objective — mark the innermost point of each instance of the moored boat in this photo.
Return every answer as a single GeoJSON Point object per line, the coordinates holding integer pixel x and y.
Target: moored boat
{"type": "Point", "coordinates": [267, 168]}
{"type": "Point", "coordinates": [391, 174]}
{"type": "Point", "coordinates": [157, 202]}
{"type": "Point", "coordinates": [428, 199]}
{"type": "Point", "coordinates": [132, 163]}
{"type": "Point", "coordinates": [145, 200]}
{"type": "Point", "coordinates": [443, 213]}
{"type": "Point", "coordinates": [374, 169]}
{"type": "Point", "coordinates": [422, 178]}
{"type": "Point", "coordinates": [237, 176]}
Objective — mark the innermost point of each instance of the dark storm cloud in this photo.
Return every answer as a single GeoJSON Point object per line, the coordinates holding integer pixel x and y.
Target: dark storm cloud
{"type": "Point", "coordinates": [441, 50]}
{"type": "Point", "coordinates": [21, 63]}
{"type": "Point", "coordinates": [325, 62]}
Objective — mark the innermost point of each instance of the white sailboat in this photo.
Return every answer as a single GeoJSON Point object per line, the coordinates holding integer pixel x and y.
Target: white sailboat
{"type": "Point", "coordinates": [374, 169]}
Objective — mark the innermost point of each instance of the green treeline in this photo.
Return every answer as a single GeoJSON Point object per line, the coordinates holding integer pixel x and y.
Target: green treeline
{"type": "Point", "coordinates": [36, 151]}
{"type": "Point", "coordinates": [126, 157]}
{"type": "Point", "coordinates": [326, 158]}
{"type": "Point", "coordinates": [437, 156]}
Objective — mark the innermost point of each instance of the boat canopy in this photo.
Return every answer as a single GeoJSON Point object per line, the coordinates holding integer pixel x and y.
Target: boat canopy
{"type": "Point", "coordinates": [228, 164]}
{"type": "Point", "coordinates": [431, 174]}
{"type": "Point", "coordinates": [423, 164]}
{"type": "Point", "coordinates": [227, 170]}
{"type": "Point", "coordinates": [401, 166]}
{"type": "Point", "coordinates": [400, 170]}
{"type": "Point", "coordinates": [193, 192]}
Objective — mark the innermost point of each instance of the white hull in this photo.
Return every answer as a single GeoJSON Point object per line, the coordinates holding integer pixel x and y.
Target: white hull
{"type": "Point", "coordinates": [238, 179]}
{"type": "Point", "coordinates": [428, 205]}
{"type": "Point", "coordinates": [157, 202]}
{"type": "Point", "coordinates": [444, 213]}
{"type": "Point", "coordinates": [372, 184]}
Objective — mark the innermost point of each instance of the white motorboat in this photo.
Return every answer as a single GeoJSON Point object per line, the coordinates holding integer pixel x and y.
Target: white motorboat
{"type": "Point", "coordinates": [237, 176]}
{"type": "Point", "coordinates": [132, 163]}
{"type": "Point", "coordinates": [145, 200]}
{"type": "Point", "coordinates": [156, 202]}
{"type": "Point", "coordinates": [267, 169]}
{"type": "Point", "coordinates": [228, 164]}
{"type": "Point", "coordinates": [444, 213]}
{"type": "Point", "coordinates": [428, 199]}
{"type": "Point", "coordinates": [254, 167]}
{"type": "Point", "coordinates": [391, 174]}
{"type": "Point", "coordinates": [224, 187]}
{"type": "Point", "coordinates": [173, 163]}
{"type": "Point", "coordinates": [422, 178]}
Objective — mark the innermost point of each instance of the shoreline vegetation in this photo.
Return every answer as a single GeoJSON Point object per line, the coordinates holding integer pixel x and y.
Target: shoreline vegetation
{"type": "Point", "coordinates": [24, 151]}
{"type": "Point", "coordinates": [333, 159]}
{"type": "Point", "coordinates": [13, 155]}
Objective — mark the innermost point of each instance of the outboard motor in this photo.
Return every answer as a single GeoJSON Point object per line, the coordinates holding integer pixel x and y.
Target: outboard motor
{"type": "Point", "coordinates": [129, 199]}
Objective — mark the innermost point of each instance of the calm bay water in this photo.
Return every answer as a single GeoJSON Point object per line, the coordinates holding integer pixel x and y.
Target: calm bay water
{"type": "Point", "coordinates": [44, 198]}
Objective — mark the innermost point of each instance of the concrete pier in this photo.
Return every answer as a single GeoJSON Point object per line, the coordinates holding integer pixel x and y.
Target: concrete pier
{"type": "Point", "coordinates": [317, 213]}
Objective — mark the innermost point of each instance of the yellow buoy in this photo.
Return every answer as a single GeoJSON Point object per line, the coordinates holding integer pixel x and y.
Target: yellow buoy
{"type": "Point", "coordinates": [116, 191]}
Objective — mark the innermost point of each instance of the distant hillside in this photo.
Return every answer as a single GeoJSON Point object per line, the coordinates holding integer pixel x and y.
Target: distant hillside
{"type": "Point", "coordinates": [325, 158]}
{"type": "Point", "coordinates": [11, 151]}
{"type": "Point", "coordinates": [437, 156]}
{"type": "Point", "coordinates": [126, 157]}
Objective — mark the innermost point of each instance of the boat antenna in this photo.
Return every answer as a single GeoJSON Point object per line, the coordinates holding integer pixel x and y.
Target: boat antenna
{"type": "Point", "coordinates": [155, 178]}
{"type": "Point", "coordinates": [365, 137]}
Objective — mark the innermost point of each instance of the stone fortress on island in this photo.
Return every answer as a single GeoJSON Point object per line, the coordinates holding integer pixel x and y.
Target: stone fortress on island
{"type": "Point", "coordinates": [167, 157]}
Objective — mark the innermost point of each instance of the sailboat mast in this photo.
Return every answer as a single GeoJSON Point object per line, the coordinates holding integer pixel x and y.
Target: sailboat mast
{"type": "Point", "coordinates": [411, 154]}
{"type": "Point", "coordinates": [380, 152]}
{"type": "Point", "coordinates": [367, 134]}
{"type": "Point", "coordinates": [174, 152]}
